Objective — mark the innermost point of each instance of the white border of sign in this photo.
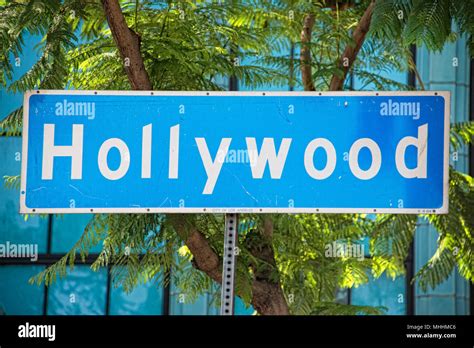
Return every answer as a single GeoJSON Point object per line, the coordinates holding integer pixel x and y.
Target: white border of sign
{"type": "Point", "coordinates": [442, 210]}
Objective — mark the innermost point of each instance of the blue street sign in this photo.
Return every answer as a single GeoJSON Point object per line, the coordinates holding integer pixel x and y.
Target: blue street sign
{"type": "Point", "coordinates": [111, 151]}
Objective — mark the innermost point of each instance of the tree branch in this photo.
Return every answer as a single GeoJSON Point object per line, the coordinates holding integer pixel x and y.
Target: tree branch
{"type": "Point", "coordinates": [306, 33]}
{"type": "Point", "coordinates": [267, 296]}
{"type": "Point", "coordinates": [350, 53]}
{"type": "Point", "coordinates": [413, 67]}
{"type": "Point", "coordinates": [205, 258]}
{"type": "Point", "coordinates": [268, 299]}
{"type": "Point", "coordinates": [128, 44]}
{"type": "Point", "coordinates": [305, 53]}
{"type": "Point", "coordinates": [265, 285]}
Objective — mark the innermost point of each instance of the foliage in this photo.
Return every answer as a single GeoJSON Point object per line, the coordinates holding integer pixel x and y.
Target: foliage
{"type": "Point", "coordinates": [424, 22]}
{"type": "Point", "coordinates": [189, 45]}
{"type": "Point", "coordinates": [12, 182]}
{"type": "Point", "coordinates": [455, 241]}
{"type": "Point", "coordinates": [331, 308]}
{"type": "Point", "coordinates": [462, 133]}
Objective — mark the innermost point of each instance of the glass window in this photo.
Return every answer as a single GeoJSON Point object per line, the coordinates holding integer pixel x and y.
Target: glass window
{"type": "Point", "coordinates": [17, 296]}
{"type": "Point", "coordinates": [81, 292]}
{"type": "Point", "coordinates": [240, 309]}
{"type": "Point", "coordinates": [382, 292]}
{"type": "Point", "coordinates": [10, 101]}
{"type": "Point", "coordinates": [145, 299]}
{"type": "Point", "coordinates": [342, 296]}
{"type": "Point", "coordinates": [16, 228]}
{"type": "Point", "coordinates": [202, 306]}
{"type": "Point", "coordinates": [66, 231]}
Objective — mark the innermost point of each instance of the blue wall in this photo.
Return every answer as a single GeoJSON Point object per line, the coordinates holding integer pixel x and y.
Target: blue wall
{"type": "Point", "coordinates": [87, 292]}
{"type": "Point", "coordinates": [447, 70]}
{"type": "Point", "coordinates": [82, 291]}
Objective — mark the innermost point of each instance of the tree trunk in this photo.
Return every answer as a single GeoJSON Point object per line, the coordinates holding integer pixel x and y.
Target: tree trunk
{"type": "Point", "coordinates": [351, 51]}
{"type": "Point", "coordinates": [268, 299]}
{"type": "Point", "coordinates": [128, 44]}
{"type": "Point", "coordinates": [305, 53]}
{"type": "Point", "coordinates": [267, 296]}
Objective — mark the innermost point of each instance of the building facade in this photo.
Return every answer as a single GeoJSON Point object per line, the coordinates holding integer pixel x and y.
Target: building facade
{"type": "Point", "coordinates": [93, 293]}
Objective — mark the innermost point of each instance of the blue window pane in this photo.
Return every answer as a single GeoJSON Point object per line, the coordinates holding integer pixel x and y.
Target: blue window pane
{"type": "Point", "coordinates": [202, 306]}
{"type": "Point", "coordinates": [240, 309]}
{"type": "Point", "coordinates": [17, 296]}
{"type": "Point", "coordinates": [145, 299]}
{"type": "Point", "coordinates": [180, 305]}
{"type": "Point", "coordinates": [66, 231]}
{"type": "Point", "coordinates": [10, 101]}
{"type": "Point", "coordinates": [382, 292]}
{"type": "Point", "coordinates": [81, 292]}
{"type": "Point", "coordinates": [436, 305]}
{"type": "Point", "coordinates": [250, 60]}
{"type": "Point", "coordinates": [206, 304]}
{"type": "Point", "coordinates": [342, 296]}
{"type": "Point", "coordinates": [13, 227]}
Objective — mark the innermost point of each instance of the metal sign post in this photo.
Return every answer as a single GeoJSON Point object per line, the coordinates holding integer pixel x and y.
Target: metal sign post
{"type": "Point", "coordinates": [234, 152]}
{"type": "Point", "coordinates": [228, 267]}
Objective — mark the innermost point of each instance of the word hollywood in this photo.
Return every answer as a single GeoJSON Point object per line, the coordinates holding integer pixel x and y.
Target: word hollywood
{"type": "Point", "coordinates": [265, 155]}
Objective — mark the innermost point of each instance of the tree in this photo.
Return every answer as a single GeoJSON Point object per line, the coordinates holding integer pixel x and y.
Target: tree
{"type": "Point", "coordinates": [184, 45]}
